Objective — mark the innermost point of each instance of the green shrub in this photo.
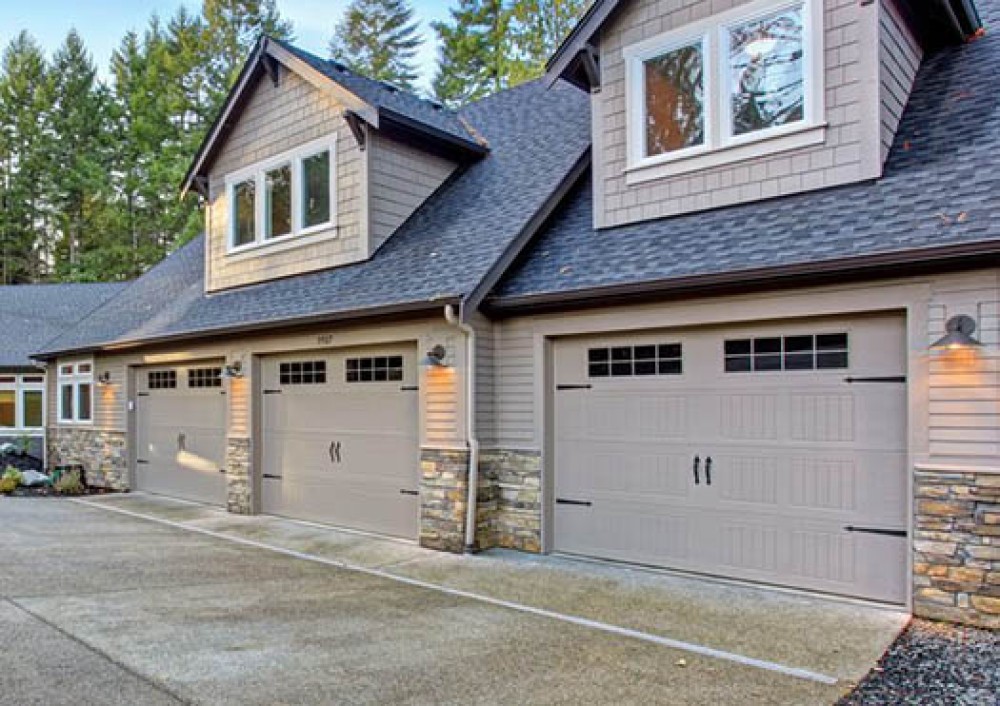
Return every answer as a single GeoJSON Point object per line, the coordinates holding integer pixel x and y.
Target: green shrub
{"type": "Point", "coordinates": [13, 474]}
{"type": "Point", "coordinates": [7, 485]}
{"type": "Point", "coordinates": [69, 484]}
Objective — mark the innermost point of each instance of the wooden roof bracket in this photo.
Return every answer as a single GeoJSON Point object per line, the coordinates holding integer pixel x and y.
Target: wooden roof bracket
{"type": "Point", "coordinates": [590, 63]}
{"type": "Point", "coordinates": [354, 122]}
{"type": "Point", "coordinates": [273, 68]}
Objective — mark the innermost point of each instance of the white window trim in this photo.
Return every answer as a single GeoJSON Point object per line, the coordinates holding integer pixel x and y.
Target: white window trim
{"type": "Point", "coordinates": [74, 380]}
{"type": "Point", "coordinates": [720, 147]}
{"type": "Point", "coordinates": [19, 387]}
{"type": "Point", "coordinates": [257, 172]}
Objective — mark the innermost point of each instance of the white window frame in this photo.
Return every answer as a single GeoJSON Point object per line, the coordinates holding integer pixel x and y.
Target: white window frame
{"type": "Point", "coordinates": [720, 146]}
{"type": "Point", "coordinates": [74, 380]}
{"type": "Point", "coordinates": [19, 386]}
{"type": "Point", "coordinates": [258, 173]}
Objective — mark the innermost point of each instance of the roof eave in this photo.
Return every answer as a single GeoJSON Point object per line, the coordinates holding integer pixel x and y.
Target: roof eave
{"type": "Point", "coordinates": [354, 316]}
{"type": "Point", "coordinates": [877, 266]}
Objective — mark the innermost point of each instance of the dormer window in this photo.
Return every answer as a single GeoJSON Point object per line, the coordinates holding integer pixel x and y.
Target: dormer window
{"type": "Point", "coordinates": [285, 197]}
{"type": "Point", "coordinates": [738, 85]}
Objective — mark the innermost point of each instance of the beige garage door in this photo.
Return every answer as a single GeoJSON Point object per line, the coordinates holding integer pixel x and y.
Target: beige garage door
{"type": "Point", "coordinates": [340, 438]}
{"type": "Point", "coordinates": [773, 453]}
{"type": "Point", "coordinates": [181, 432]}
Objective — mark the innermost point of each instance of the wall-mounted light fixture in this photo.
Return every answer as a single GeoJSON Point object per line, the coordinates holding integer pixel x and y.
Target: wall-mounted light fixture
{"type": "Point", "coordinates": [958, 335]}
{"type": "Point", "coordinates": [435, 357]}
{"type": "Point", "coordinates": [232, 370]}
{"type": "Point", "coordinates": [104, 378]}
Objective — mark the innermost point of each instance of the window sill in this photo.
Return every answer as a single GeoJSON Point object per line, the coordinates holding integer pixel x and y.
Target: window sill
{"type": "Point", "coordinates": [660, 167]}
{"type": "Point", "coordinates": [315, 234]}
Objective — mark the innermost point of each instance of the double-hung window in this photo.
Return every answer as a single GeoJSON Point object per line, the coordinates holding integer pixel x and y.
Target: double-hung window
{"type": "Point", "coordinates": [76, 387]}
{"type": "Point", "coordinates": [22, 400]}
{"type": "Point", "coordinates": [734, 86]}
{"type": "Point", "coordinates": [291, 195]}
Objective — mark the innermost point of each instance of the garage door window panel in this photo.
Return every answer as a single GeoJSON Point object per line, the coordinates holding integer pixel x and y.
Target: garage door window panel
{"type": "Point", "coordinates": [635, 361]}
{"type": "Point", "coordinates": [162, 379]}
{"type": "Point", "coordinates": [204, 377]}
{"type": "Point", "coordinates": [787, 353]}
{"type": "Point", "coordinates": [374, 369]}
{"type": "Point", "coordinates": [305, 372]}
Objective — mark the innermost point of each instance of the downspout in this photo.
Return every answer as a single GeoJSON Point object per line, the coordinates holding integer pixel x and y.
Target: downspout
{"type": "Point", "coordinates": [472, 502]}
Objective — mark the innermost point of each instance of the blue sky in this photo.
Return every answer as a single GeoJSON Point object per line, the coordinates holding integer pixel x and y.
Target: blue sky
{"type": "Point", "coordinates": [102, 23]}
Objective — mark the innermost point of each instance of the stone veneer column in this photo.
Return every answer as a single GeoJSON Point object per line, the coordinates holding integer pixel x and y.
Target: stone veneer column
{"type": "Point", "coordinates": [444, 483]}
{"type": "Point", "coordinates": [239, 476]}
{"type": "Point", "coordinates": [956, 547]}
{"type": "Point", "coordinates": [101, 452]}
{"type": "Point", "coordinates": [517, 506]}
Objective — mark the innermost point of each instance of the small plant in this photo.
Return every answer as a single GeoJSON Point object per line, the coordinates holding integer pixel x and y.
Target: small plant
{"type": "Point", "coordinates": [13, 474]}
{"type": "Point", "coordinates": [69, 483]}
{"type": "Point", "coordinates": [23, 445]}
{"type": "Point", "coordinates": [7, 485]}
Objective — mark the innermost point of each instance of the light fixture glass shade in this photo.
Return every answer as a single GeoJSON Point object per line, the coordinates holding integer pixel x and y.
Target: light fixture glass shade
{"type": "Point", "coordinates": [231, 371]}
{"type": "Point", "coordinates": [958, 334]}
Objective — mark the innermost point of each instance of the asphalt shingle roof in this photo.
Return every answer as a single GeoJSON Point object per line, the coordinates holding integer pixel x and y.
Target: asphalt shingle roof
{"type": "Point", "coordinates": [381, 95]}
{"type": "Point", "coordinates": [442, 252]}
{"type": "Point", "coordinates": [31, 315]}
{"type": "Point", "coordinates": [941, 186]}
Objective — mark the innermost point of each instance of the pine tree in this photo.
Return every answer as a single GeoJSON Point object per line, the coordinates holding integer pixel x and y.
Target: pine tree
{"type": "Point", "coordinates": [537, 28]}
{"type": "Point", "coordinates": [79, 192]}
{"type": "Point", "coordinates": [231, 28]}
{"type": "Point", "coordinates": [25, 158]}
{"type": "Point", "coordinates": [378, 39]}
{"type": "Point", "coordinates": [475, 52]}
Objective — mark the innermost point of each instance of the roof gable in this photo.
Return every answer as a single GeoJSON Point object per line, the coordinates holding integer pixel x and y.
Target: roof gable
{"type": "Point", "coordinates": [376, 103]}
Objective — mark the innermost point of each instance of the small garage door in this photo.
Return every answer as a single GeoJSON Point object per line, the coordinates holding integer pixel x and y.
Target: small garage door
{"type": "Point", "coordinates": [340, 438]}
{"type": "Point", "coordinates": [181, 432]}
{"type": "Point", "coordinates": [773, 453]}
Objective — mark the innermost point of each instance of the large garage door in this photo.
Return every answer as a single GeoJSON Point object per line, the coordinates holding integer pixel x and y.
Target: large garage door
{"type": "Point", "coordinates": [773, 453]}
{"type": "Point", "coordinates": [340, 438]}
{"type": "Point", "coordinates": [181, 432]}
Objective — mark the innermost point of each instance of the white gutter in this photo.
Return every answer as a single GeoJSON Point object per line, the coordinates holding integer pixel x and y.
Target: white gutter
{"type": "Point", "coordinates": [472, 501]}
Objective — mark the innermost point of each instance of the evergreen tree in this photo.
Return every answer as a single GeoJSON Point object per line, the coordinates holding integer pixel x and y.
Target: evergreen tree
{"type": "Point", "coordinates": [378, 39]}
{"type": "Point", "coordinates": [537, 28]}
{"type": "Point", "coordinates": [79, 189]}
{"type": "Point", "coordinates": [25, 158]}
{"type": "Point", "coordinates": [475, 53]}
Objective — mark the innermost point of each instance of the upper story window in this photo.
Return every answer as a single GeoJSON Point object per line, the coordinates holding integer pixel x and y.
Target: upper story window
{"type": "Point", "coordinates": [76, 385]}
{"type": "Point", "coordinates": [290, 195]}
{"type": "Point", "coordinates": [737, 85]}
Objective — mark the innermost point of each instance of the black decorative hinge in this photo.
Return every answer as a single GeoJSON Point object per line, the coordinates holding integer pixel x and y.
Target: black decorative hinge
{"type": "Point", "coordinates": [404, 491]}
{"type": "Point", "coordinates": [409, 388]}
{"type": "Point", "coordinates": [272, 392]}
{"type": "Point", "coordinates": [141, 460]}
{"type": "Point", "coordinates": [583, 386]}
{"type": "Point", "coordinates": [877, 530]}
{"type": "Point", "coordinates": [567, 501]}
{"type": "Point", "coordinates": [884, 378]}
{"type": "Point", "coordinates": [335, 452]}
{"type": "Point", "coordinates": [272, 476]}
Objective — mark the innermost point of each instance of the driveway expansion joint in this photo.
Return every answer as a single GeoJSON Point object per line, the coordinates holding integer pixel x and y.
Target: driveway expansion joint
{"type": "Point", "coordinates": [762, 664]}
{"type": "Point", "coordinates": [145, 679]}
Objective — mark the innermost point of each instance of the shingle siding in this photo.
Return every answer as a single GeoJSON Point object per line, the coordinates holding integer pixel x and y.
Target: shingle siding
{"type": "Point", "coordinates": [900, 59]}
{"type": "Point", "coordinates": [843, 158]}
{"type": "Point", "coordinates": [278, 119]}
{"type": "Point", "coordinates": [401, 178]}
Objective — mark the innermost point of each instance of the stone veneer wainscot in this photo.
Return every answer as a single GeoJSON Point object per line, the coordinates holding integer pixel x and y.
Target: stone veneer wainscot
{"type": "Point", "coordinates": [239, 486]}
{"type": "Point", "coordinates": [956, 547]}
{"type": "Point", "coordinates": [102, 453]}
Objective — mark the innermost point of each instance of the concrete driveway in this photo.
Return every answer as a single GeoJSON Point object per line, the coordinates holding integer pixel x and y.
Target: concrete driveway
{"type": "Point", "coordinates": [141, 600]}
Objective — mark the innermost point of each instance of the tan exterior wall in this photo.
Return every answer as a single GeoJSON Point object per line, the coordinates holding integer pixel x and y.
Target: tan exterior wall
{"type": "Point", "coordinates": [850, 151]}
{"type": "Point", "coordinates": [900, 58]}
{"type": "Point", "coordinates": [275, 120]}
{"type": "Point", "coordinates": [402, 178]}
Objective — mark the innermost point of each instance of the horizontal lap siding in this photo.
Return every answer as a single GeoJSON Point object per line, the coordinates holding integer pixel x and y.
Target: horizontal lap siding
{"type": "Point", "coordinates": [843, 158]}
{"type": "Point", "coordinates": [402, 178]}
{"type": "Point", "coordinates": [901, 56]}
{"type": "Point", "coordinates": [964, 389]}
{"type": "Point", "coordinates": [515, 371]}
{"type": "Point", "coordinates": [486, 415]}
{"type": "Point", "coordinates": [275, 120]}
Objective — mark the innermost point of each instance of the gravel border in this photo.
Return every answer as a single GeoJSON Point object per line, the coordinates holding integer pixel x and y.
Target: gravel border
{"type": "Point", "coordinates": [931, 664]}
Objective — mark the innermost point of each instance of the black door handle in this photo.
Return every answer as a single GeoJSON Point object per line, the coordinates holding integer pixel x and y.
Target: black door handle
{"type": "Point", "coordinates": [708, 470]}
{"type": "Point", "coordinates": [697, 463]}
